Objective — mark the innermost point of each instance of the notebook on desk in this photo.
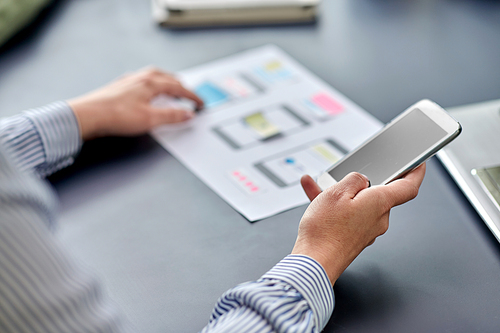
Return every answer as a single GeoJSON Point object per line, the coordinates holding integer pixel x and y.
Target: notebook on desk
{"type": "Point", "coordinates": [473, 159]}
{"type": "Point", "coordinates": [198, 13]}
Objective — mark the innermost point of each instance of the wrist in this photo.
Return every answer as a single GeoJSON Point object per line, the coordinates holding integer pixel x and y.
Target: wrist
{"type": "Point", "coordinates": [88, 118]}
{"type": "Point", "coordinates": [328, 258]}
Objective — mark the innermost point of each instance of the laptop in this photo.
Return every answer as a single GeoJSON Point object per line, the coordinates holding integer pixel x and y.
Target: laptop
{"type": "Point", "coordinates": [473, 159]}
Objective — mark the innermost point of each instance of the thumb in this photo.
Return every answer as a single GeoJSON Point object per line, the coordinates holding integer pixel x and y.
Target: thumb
{"type": "Point", "coordinates": [353, 183]}
{"type": "Point", "coordinates": [310, 187]}
{"type": "Point", "coordinates": [170, 116]}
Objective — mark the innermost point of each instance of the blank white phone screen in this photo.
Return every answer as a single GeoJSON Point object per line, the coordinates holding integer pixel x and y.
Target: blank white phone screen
{"type": "Point", "coordinates": [392, 149]}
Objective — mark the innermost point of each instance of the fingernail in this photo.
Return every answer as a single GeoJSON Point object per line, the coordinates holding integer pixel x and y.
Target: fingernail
{"type": "Point", "coordinates": [188, 115]}
{"type": "Point", "coordinates": [368, 180]}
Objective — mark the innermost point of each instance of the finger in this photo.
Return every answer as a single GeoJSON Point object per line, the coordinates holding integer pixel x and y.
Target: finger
{"type": "Point", "coordinates": [180, 91]}
{"type": "Point", "coordinates": [165, 75]}
{"type": "Point", "coordinates": [405, 189]}
{"type": "Point", "coordinates": [163, 82]}
{"type": "Point", "coordinates": [152, 70]}
{"type": "Point", "coordinates": [166, 86]}
{"type": "Point", "coordinates": [353, 183]}
{"type": "Point", "coordinates": [169, 116]}
{"type": "Point", "coordinates": [310, 187]}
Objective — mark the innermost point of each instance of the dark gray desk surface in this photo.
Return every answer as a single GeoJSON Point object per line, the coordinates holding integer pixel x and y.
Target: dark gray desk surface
{"type": "Point", "coordinates": [166, 246]}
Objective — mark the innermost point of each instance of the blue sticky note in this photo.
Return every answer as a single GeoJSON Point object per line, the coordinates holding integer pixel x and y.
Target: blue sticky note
{"type": "Point", "coordinates": [211, 94]}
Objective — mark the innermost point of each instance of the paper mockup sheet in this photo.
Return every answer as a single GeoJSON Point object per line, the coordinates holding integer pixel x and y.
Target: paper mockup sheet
{"type": "Point", "coordinates": [267, 122]}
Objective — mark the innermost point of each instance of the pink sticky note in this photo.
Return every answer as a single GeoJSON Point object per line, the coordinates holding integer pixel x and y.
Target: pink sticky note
{"type": "Point", "coordinates": [327, 103]}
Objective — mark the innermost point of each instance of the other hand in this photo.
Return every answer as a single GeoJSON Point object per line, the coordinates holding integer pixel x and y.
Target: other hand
{"type": "Point", "coordinates": [123, 107]}
{"type": "Point", "coordinates": [348, 216]}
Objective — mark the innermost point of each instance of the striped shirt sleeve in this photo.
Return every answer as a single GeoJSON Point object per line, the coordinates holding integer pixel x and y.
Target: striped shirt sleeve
{"type": "Point", "coordinates": [294, 296]}
{"type": "Point", "coordinates": [42, 140]}
{"type": "Point", "coordinates": [41, 288]}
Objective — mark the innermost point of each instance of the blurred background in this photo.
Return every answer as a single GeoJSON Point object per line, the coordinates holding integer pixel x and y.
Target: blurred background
{"type": "Point", "coordinates": [166, 259]}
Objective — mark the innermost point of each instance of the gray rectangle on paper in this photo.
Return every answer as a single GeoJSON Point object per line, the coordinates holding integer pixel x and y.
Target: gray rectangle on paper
{"type": "Point", "coordinates": [252, 82]}
{"type": "Point", "coordinates": [270, 175]}
{"type": "Point", "coordinates": [295, 115]}
{"type": "Point", "coordinates": [278, 181]}
{"type": "Point", "coordinates": [226, 138]}
{"type": "Point", "coordinates": [337, 146]}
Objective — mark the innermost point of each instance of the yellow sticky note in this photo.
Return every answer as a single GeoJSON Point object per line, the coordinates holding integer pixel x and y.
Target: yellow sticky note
{"type": "Point", "coordinates": [261, 126]}
{"type": "Point", "coordinates": [273, 66]}
{"type": "Point", "coordinates": [325, 153]}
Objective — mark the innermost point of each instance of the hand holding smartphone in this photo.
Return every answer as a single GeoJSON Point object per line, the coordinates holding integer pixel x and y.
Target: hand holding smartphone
{"type": "Point", "coordinates": [402, 145]}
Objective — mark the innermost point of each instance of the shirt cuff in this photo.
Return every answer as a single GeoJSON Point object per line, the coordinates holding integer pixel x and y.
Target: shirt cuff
{"type": "Point", "coordinates": [59, 133]}
{"type": "Point", "coordinates": [309, 278]}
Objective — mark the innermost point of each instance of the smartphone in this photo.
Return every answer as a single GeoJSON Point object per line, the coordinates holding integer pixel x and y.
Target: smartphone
{"type": "Point", "coordinates": [402, 145]}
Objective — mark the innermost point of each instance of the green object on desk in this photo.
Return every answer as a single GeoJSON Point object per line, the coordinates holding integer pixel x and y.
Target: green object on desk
{"type": "Point", "coordinates": [15, 14]}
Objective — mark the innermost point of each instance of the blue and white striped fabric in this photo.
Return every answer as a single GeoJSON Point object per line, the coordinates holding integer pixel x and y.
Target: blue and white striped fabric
{"type": "Point", "coordinates": [294, 296]}
{"type": "Point", "coordinates": [43, 140]}
{"type": "Point", "coordinates": [42, 290]}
